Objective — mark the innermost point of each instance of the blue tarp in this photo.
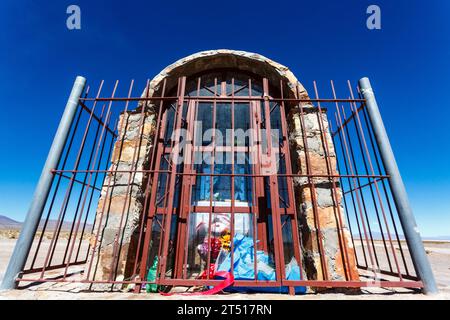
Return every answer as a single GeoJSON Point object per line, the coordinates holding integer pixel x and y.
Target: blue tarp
{"type": "Point", "coordinates": [243, 262]}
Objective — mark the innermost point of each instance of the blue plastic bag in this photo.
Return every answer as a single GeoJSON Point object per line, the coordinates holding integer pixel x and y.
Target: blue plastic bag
{"type": "Point", "coordinates": [243, 264]}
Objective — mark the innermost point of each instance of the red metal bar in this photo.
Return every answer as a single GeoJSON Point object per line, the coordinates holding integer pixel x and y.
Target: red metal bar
{"type": "Point", "coordinates": [232, 214]}
{"type": "Point", "coordinates": [360, 190]}
{"type": "Point", "coordinates": [191, 181]}
{"type": "Point", "coordinates": [375, 267]}
{"type": "Point", "coordinates": [185, 199]}
{"type": "Point", "coordinates": [154, 177]}
{"type": "Point", "coordinates": [61, 215]}
{"type": "Point", "coordinates": [108, 114]}
{"type": "Point", "coordinates": [346, 210]}
{"type": "Point", "coordinates": [151, 184]}
{"type": "Point", "coordinates": [346, 122]}
{"type": "Point", "coordinates": [254, 144]}
{"type": "Point", "coordinates": [363, 186]}
{"type": "Point", "coordinates": [52, 201]}
{"type": "Point", "coordinates": [337, 205]}
{"type": "Point", "coordinates": [92, 196]}
{"type": "Point", "coordinates": [174, 156]}
{"type": "Point", "coordinates": [351, 194]}
{"type": "Point", "coordinates": [290, 183]}
{"type": "Point", "coordinates": [98, 119]}
{"type": "Point", "coordinates": [70, 189]}
{"type": "Point", "coordinates": [274, 195]}
{"type": "Point", "coordinates": [116, 245]}
{"type": "Point", "coordinates": [211, 181]}
{"type": "Point", "coordinates": [105, 201]}
{"type": "Point", "coordinates": [377, 189]}
{"type": "Point", "coordinates": [386, 193]}
{"type": "Point", "coordinates": [236, 174]}
{"type": "Point", "coordinates": [219, 98]}
{"type": "Point", "coordinates": [84, 185]}
{"type": "Point", "coordinates": [312, 190]}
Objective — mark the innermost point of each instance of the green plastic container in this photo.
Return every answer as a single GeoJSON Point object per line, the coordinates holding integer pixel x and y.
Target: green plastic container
{"type": "Point", "coordinates": [151, 277]}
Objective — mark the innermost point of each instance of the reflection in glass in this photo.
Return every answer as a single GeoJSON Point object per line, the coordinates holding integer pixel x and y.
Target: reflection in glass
{"type": "Point", "coordinates": [242, 184]}
{"type": "Point", "coordinates": [204, 122]}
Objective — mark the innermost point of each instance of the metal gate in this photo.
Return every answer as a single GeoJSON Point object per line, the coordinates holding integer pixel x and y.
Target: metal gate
{"type": "Point", "coordinates": [259, 163]}
{"type": "Point", "coordinates": [178, 196]}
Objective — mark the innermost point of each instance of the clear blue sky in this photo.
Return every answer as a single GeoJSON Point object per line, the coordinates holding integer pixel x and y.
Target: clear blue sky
{"type": "Point", "coordinates": [408, 62]}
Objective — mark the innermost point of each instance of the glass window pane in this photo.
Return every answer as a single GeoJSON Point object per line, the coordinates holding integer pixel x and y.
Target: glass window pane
{"type": "Point", "coordinates": [198, 232]}
{"type": "Point", "coordinates": [208, 85]}
{"type": "Point", "coordinates": [200, 245]}
{"type": "Point", "coordinates": [282, 183]}
{"type": "Point", "coordinates": [242, 184]}
{"type": "Point", "coordinates": [257, 89]}
{"type": "Point", "coordinates": [222, 183]}
{"type": "Point", "coordinates": [275, 125]}
{"type": "Point", "coordinates": [240, 85]}
{"type": "Point", "coordinates": [201, 189]}
{"type": "Point", "coordinates": [243, 224]}
{"type": "Point", "coordinates": [263, 132]}
{"type": "Point", "coordinates": [241, 124]}
{"type": "Point", "coordinates": [171, 250]}
{"type": "Point", "coordinates": [154, 243]}
{"type": "Point", "coordinates": [283, 198]}
{"type": "Point", "coordinates": [267, 192]}
{"type": "Point", "coordinates": [223, 124]}
{"type": "Point", "coordinates": [170, 112]}
{"type": "Point", "coordinates": [203, 123]}
{"type": "Point", "coordinates": [163, 181]}
{"type": "Point", "coordinates": [292, 269]}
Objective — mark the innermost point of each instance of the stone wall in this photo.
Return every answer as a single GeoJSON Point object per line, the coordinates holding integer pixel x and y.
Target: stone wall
{"type": "Point", "coordinates": [122, 196]}
{"type": "Point", "coordinates": [329, 204]}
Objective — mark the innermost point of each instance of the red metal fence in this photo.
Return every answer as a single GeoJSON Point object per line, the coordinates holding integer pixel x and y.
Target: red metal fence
{"type": "Point", "coordinates": [67, 236]}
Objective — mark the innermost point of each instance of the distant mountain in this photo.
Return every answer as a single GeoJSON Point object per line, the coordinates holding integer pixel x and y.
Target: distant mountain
{"type": "Point", "coordinates": [377, 236]}
{"type": "Point", "coordinates": [51, 225]}
{"type": "Point", "coordinates": [438, 238]}
{"type": "Point", "coordinates": [7, 223]}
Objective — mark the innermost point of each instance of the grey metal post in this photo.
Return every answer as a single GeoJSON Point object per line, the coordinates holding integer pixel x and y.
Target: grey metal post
{"type": "Point", "coordinates": [23, 245]}
{"type": "Point", "coordinates": [412, 235]}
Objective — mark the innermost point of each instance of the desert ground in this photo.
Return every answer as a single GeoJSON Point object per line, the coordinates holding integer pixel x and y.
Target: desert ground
{"type": "Point", "coordinates": [438, 253]}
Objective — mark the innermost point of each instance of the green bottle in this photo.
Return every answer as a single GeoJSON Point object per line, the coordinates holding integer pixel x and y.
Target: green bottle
{"type": "Point", "coordinates": [151, 277]}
